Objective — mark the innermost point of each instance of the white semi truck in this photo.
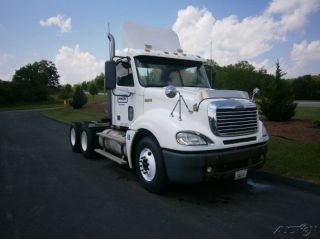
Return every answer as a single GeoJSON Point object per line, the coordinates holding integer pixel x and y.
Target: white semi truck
{"type": "Point", "coordinates": [164, 121]}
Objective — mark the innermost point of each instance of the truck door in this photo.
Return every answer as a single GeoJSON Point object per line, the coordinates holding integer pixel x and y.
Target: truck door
{"type": "Point", "coordinates": [123, 98]}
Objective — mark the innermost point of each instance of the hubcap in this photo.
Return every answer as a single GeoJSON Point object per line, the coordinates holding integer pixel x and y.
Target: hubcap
{"type": "Point", "coordinates": [73, 137]}
{"type": "Point", "coordinates": [84, 141]}
{"type": "Point", "coordinates": [147, 164]}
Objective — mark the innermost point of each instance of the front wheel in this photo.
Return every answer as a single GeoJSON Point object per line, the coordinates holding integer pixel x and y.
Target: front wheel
{"type": "Point", "coordinates": [149, 165]}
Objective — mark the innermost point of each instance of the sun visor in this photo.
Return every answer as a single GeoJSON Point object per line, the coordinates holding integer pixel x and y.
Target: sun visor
{"type": "Point", "coordinates": [136, 36]}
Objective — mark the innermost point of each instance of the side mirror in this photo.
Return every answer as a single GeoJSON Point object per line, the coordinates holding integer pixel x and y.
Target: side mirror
{"type": "Point", "coordinates": [171, 91]}
{"type": "Point", "coordinates": [110, 75]}
{"type": "Point", "coordinates": [256, 91]}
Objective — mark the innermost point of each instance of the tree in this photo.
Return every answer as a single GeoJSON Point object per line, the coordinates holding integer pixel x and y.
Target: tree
{"type": "Point", "coordinates": [93, 90]}
{"type": "Point", "coordinates": [79, 98]}
{"type": "Point", "coordinates": [84, 85]}
{"type": "Point", "coordinates": [305, 88]}
{"type": "Point", "coordinates": [99, 81]}
{"type": "Point", "coordinates": [66, 92]}
{"type": "Point", "coordinates": [277, 102]}
{"type": "Point", "coordinates": [44, 72]}
{"type": "Point", "coordinates": [32, 82]}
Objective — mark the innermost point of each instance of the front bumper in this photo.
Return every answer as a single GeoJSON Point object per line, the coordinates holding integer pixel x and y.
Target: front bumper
{"type": "Point", "coordinates": [191, 167]}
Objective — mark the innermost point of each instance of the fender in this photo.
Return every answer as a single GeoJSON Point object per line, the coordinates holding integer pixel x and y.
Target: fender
{"type": "Point", "coordinates": [160, 124]}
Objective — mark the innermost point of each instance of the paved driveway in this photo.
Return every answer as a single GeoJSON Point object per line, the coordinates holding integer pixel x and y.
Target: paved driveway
{"type": "Point", "coordinates": [47, 191]}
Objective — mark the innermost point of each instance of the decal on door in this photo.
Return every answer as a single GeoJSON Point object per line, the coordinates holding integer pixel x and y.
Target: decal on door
{"type": "Point", "coordinates": [122, 99]}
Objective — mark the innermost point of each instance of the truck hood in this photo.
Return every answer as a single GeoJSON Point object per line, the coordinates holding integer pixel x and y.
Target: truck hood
{"type": "Point", "coordinates": [195, 95]}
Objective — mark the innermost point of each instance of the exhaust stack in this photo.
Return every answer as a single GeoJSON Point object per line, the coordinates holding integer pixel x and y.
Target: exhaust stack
{"type": "Point", "coordinates": [112, 46]}
{"type": "Point", "coordinates": [112, 53]}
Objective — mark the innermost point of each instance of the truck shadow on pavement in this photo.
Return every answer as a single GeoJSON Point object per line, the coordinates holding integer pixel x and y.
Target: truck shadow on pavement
{"type": "Point", "coordinates": [215, 192]}
{"type": "Point", "coordinates": [218, 192]}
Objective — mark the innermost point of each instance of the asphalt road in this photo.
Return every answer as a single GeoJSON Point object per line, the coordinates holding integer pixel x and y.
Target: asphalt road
{"type": "Point", "coordinates": [47, 191]}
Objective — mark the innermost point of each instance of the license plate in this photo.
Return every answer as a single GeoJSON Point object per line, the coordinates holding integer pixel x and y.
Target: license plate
{"type": "Point", "coordinates": [240, 174]}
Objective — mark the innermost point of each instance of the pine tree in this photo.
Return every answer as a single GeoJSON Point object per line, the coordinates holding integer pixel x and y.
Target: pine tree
{"type": "Point", "coordinates": [277, 102]}
{"type": "Point", "coordinates": [79, 98]}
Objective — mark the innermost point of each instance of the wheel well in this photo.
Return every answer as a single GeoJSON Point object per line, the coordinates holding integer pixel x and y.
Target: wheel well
{"type": "Point", "coordinates": [139, 135]}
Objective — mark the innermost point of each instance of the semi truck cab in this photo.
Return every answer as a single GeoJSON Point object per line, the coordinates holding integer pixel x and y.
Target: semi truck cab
{"type": "Point", "coordinates": [163, 119]}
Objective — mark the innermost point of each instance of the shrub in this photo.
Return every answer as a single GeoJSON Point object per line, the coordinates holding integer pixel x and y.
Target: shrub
{"type": "Point", "coordinates": [277, 102]}
{"type": "Point", "coordinates": [93, 90]}
{"type": "Point", "coordinates": [79, 98]}
{"type": "Point", "coordinates": [65, 92]}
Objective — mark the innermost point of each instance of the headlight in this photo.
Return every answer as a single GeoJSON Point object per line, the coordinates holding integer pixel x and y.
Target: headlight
{"type": "Point", "coordinates": [190, 138]}
{"type": "Point", "coordinates": [264, 132]}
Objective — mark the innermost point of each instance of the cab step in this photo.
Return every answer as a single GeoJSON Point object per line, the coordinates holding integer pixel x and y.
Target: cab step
{"type": "Point", "coordinates": [111, 156]}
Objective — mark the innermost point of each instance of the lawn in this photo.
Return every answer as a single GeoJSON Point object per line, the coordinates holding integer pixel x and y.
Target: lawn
{"type": "Point", "coordinates": [311, 113]}
{"type": "Point", "coordinates": [68, 115]}
{"type": "Point", "coordinates": [52, 102]}
{"type": "Point", "coordinates": [25, 106]}
{"type": "Point", "coordinates": [294, 159]}
{"type": "Point", "coordinates": [95, 99]}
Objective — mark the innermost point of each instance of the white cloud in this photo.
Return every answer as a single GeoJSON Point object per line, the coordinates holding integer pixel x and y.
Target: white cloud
{"type": "Point", "coordinates": [4, 58]}
{"type": "Point", "coordinates": [7, 77]}
{"type": "Point", "coordinates": [59, 21]}
{"type": "Point", "coordinates": [265, 64]}
{"type": "Point", "coordinates": [75, 66]}
{"type": "Point", "coordinates": [293, 13]}
{"type": "Point", "coordinates": [236, 39]}
{"type": "Point", "coordinates": [304, 53]}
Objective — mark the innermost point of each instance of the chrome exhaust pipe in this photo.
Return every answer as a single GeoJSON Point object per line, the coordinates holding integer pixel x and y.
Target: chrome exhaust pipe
{"type": "Point", "coordinates": [112, 53]}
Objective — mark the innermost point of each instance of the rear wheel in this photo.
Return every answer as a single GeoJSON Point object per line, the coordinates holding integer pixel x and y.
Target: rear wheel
{"type": "Point", "coordinates": [74, 137]}
{"type": "Point", "coordinates": [149, 165]}
{"type": "Point", "coordinates": [87, 142]}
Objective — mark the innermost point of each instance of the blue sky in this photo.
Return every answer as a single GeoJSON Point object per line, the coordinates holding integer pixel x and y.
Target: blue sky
{"type": "Point", "coordinates": [73, 33]}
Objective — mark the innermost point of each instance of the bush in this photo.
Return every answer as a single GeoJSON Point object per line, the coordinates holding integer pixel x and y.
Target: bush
{"type": "Point", "coordinates": [65, 92]}
{"type": "Point", "coordinates": [79, 98]}
{"type": "Point", "coordinates": [277, 102]}
{"type": "Point", "coordinates": [93, 90]}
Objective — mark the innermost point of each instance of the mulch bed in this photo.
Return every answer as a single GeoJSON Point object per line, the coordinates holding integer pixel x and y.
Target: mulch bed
{"type": "Point", "coordinates": [299, 130]}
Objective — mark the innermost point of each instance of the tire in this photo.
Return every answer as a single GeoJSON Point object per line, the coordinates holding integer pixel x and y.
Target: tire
{"type": "Point", "coordinates": [149, 165]}
{"type": "Point", "coordinates": [87, 142]}
{"type": "Point", "coordinates": [74, 137]}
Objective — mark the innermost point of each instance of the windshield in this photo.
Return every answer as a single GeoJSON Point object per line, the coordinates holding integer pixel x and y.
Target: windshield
{"type": "Point", "coordinates": [159, 72]}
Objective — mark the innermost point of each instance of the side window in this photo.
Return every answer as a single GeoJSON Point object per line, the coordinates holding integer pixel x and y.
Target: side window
{"type": "Point", "coordinates": [124, 75]}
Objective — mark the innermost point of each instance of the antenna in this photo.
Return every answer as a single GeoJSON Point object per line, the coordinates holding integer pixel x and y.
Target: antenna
{"type": "Point", "coordinates": [108, 27]}
{"type": "Point", "coordinates": [211, 65]}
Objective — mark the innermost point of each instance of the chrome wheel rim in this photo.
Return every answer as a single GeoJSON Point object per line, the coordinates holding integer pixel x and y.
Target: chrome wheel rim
{"type": "Point", "coordinates": [84, 141]}
{"type": "Point", "coordinates": [147, 164]}
{"type": "Point", "coordinates": [73, 137]}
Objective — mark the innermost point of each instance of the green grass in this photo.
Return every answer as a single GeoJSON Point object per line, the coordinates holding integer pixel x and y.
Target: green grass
{"type": "Point", "coordinates": [68, 115]}
{"type": "Point", "coordinates": [25, 106]}
{"type": "Point", "coordinates": [294, 159]}
{"type": "Point", "coordinates": [96, 99]}
{"type": "Point", "coordinates": [311, 113]}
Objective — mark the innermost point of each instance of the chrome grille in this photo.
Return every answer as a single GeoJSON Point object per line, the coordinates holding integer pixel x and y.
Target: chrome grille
{"type": "Point", "coordinates": [235, 122]}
